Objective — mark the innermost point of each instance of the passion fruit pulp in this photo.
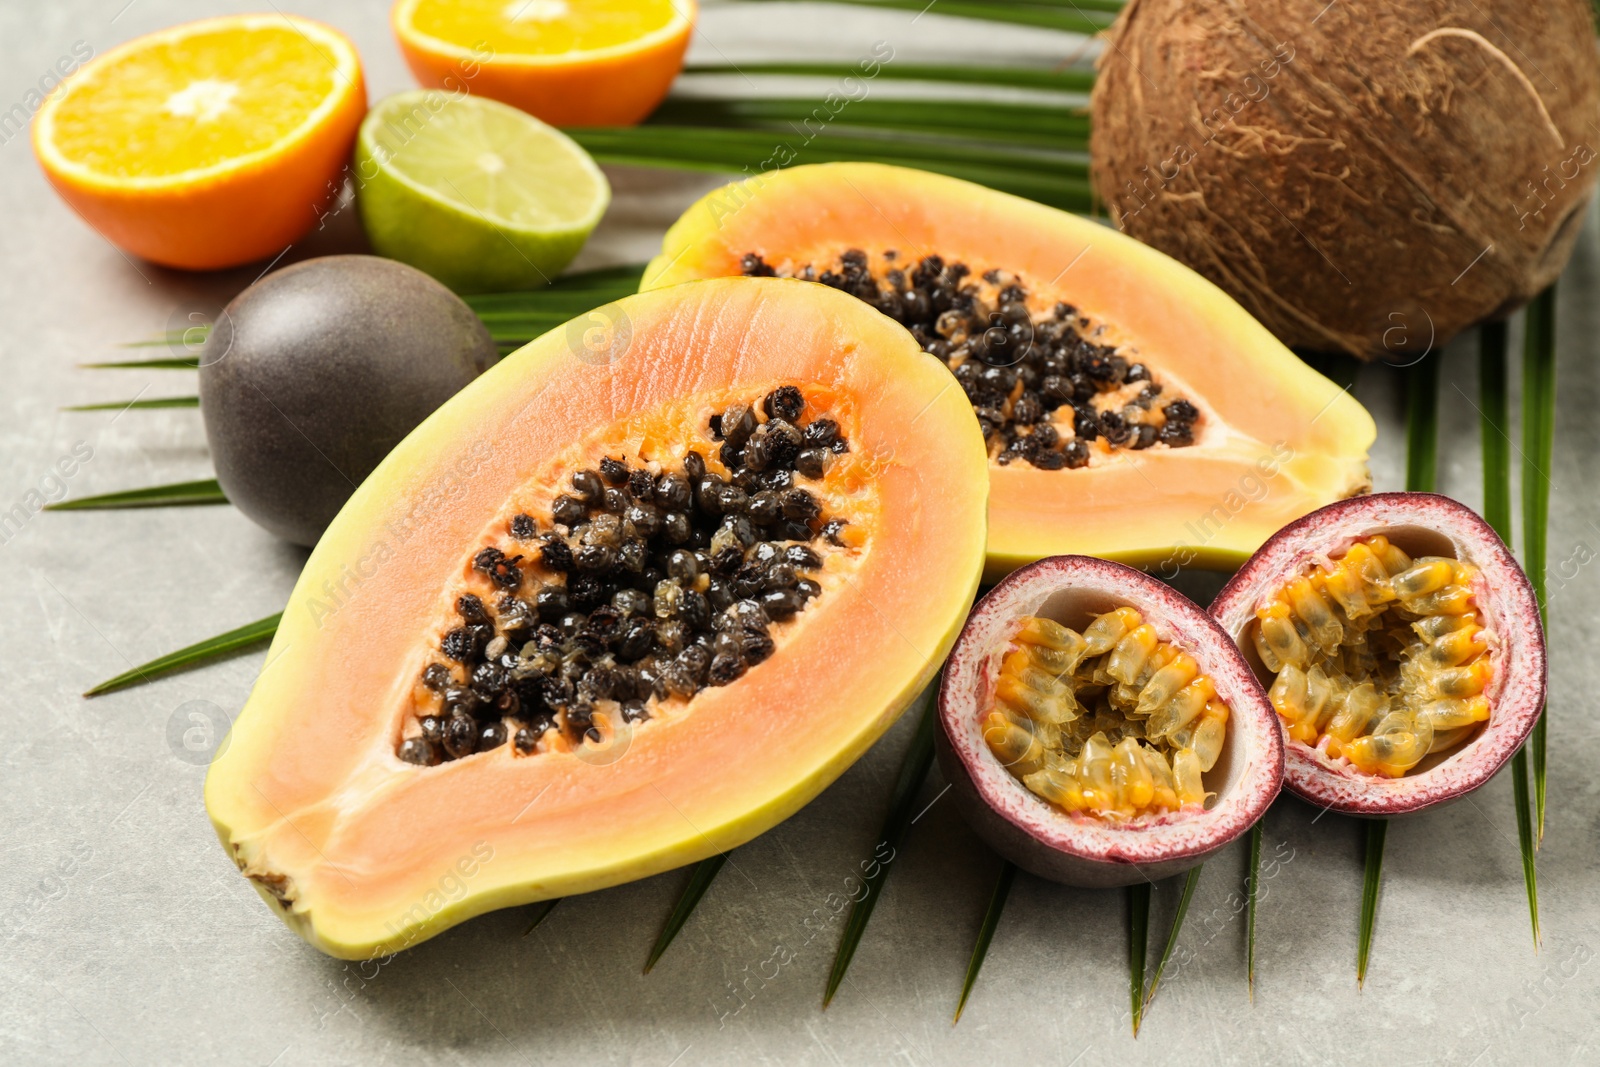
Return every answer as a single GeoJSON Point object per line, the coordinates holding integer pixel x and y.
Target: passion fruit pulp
{"type": "Point", "coordinates": [1403, 648]}
{"type": "Point", "coordinates": [1099, 729]}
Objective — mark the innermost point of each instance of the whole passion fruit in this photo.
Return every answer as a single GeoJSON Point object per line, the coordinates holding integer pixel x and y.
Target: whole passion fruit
{"type": "Point", "coordinates": [311, 375]}
{"type": "Point", "coordinates": [1402, 646]}
{"type": "Point", "coordinates": [1099, 729]}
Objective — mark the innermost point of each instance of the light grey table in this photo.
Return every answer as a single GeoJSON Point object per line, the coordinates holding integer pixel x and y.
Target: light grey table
{"type": "Point", "coordinates": [126, 936]}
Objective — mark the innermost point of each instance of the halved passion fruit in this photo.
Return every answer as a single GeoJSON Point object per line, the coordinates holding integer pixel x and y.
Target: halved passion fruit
{"type": "Point", "coordinates": [1132, 410]}
{"type": "Point", "coordinates": [1402, 646]}
{"type": "Point", "coordinates": [1100, 729]}
{"type": "Point", "coordinates": [626, 601]}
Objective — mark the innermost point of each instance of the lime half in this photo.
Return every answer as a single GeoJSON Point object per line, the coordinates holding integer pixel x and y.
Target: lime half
{"type": "Point", "coordinates": [482, 196]}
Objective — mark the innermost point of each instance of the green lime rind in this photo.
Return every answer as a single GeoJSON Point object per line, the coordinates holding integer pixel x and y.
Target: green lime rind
{"type": "Point", "coordinates": [483, 197]}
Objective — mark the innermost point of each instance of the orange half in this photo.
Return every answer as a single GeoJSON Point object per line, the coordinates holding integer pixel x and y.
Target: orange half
{"type": "Point", "coordinates": [569, 62]}
{"type": "Point", "coordinates": [210, 144]}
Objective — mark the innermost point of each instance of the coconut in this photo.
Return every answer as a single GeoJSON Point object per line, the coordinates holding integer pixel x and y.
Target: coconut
{"type": "Point", "coordinates": [1364, 178]}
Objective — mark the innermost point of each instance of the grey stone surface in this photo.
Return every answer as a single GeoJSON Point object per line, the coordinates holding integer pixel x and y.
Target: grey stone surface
{"type": "Point", "coordinates": [126, 936]}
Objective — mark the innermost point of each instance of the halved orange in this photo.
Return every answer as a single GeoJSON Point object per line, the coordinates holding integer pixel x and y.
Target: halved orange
{"type": "Point", "coordinates": [569, 62]}
{"type": "Point", "coordinates": [209, 144]}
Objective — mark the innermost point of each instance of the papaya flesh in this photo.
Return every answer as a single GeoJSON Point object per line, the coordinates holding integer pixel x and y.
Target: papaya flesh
{"type": "Point", "coordinates": [366, 836]}
{"type": "Point", "coordinates": [1076, 342]}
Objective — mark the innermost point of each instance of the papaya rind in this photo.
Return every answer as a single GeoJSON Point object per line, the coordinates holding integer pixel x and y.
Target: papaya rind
{"type": "Point", "coordinates": [291, 818]}
{"type": "Point", "coordinates": [1210, 515]}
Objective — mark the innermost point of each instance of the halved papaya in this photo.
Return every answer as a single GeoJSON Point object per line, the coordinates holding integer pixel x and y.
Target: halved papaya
{"type": "Point", "coordinates": [631, 598]}
{"type": "Point", "coordinates": [1132, 410]}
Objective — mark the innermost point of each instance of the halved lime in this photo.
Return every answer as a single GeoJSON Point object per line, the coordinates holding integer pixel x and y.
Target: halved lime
{"type": "Point", "coordinates": [482, 196]}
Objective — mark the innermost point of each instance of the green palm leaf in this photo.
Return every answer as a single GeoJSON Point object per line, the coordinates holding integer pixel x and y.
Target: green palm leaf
{"type": "Point", "coordinates": [137, 405]}
{"type": "Point", "coordinates": [572, 294]}
{"type": "Point", "coordinates": [513, 318]}
{"type": "Point", "coordinates": [1422, 426]}
{"type": "Point", "coordinates": [896, 826]}
{"type": "Point", "coordinates": [1055, 180]}
{"type": "Point", "coordinates": [705, 872]}
{"type": "Point", "coordinates": [1063, 79]}
{"type": "Point", "coordinates": [144, 364]}
{"type": "Point", "coordinates": [1038, 125]}
{"type": "Point", "coordinates": [541, 912]}
{"type": "Point", "coordinates": [1377, 829]}
{"type": "Point", "coordinates": [1190, 880]}
{"type": "Point", "coordinates": [1085, 16]}
{"type": "Point", "coordinates": [1494, 427]}
{"type": "Point", "coordinates": [991, 921]}
{"type": "Point", "coordinates": [1538, 439]}
{"type": "Point", "coordinates": [1525, 839]}
{"type": "Point", "coordinates": [1422, 464]}
{"type": "Point", "coordinates": [205, 491]}
{"type": "Point", "coordinates": [1138, 946]}
{"type": "Point", "coordinates": [194, 655]}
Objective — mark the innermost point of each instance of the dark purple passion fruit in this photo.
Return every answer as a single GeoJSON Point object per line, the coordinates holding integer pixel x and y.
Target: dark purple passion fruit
{"type": "Point", "coordinates": [1099, 729]}
{"type": "Point", "coordinates": [315, 372]}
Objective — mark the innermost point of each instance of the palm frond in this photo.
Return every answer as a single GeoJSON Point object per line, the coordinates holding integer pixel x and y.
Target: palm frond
{"type": "Point", "coordinates": [194, 655]}
{"type": "Point", "coordinates": [1138, 946]}
{"type": "Point", "coordinates": [1032, 125]}
{"type": "Point", "coordinates": [541, 912]}
{"type": "Point", "coordinates": [1085, 16]}
{"type": "Point", "coordinates": [1494, 432]}
{"type": "Point", "coordinates": [1422, 466]}
{"type": "Point", "coordinates": [1538, 441]}
{"type": "Point", "coordinates": [184, 494]}
{"type": "Point", "coordinates": [991, 922]}
{"type": "Point", "coordinates": [896, 826]}
{"type": "Point", "coordinates": [1058, 181]}
{"type": "Point", "coordinates": [144, 364]}
{"type": "Point", "coordinates": [1422, 425]}
{"type": "Point", "coordinates": [513, 318]}
{"type": "Point", "coordinates": [1069, 79]}
{"type": "Point", "coordinates": [705, 872]}
{"type": "Point", "coordinates": [139, 405]}
{"type": "Point", "coordinates": [1377, 830]}
{"type": "Point", "coordinates": [1190, 880]}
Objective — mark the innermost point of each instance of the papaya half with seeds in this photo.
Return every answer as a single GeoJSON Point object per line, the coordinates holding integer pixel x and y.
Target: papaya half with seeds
{"type": "Point", "coordinates": [628, 600]}
{"type": "Point", "coordinates": [1132, 410]}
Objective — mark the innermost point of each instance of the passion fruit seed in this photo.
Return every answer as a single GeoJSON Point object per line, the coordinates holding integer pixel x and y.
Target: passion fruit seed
{"type": "Point", "coordinates": [1042, 391]}
{"type": "Point", "coordinates": [1380, 659]}
{"type": "Point", "coordinates": [651, 584]}
{"type": "Point", "coordinates": [1114, 721]}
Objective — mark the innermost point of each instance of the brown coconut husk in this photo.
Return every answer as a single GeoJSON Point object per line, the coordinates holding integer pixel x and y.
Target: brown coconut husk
{"type": "Point", "coordinates": [1365, 177]}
